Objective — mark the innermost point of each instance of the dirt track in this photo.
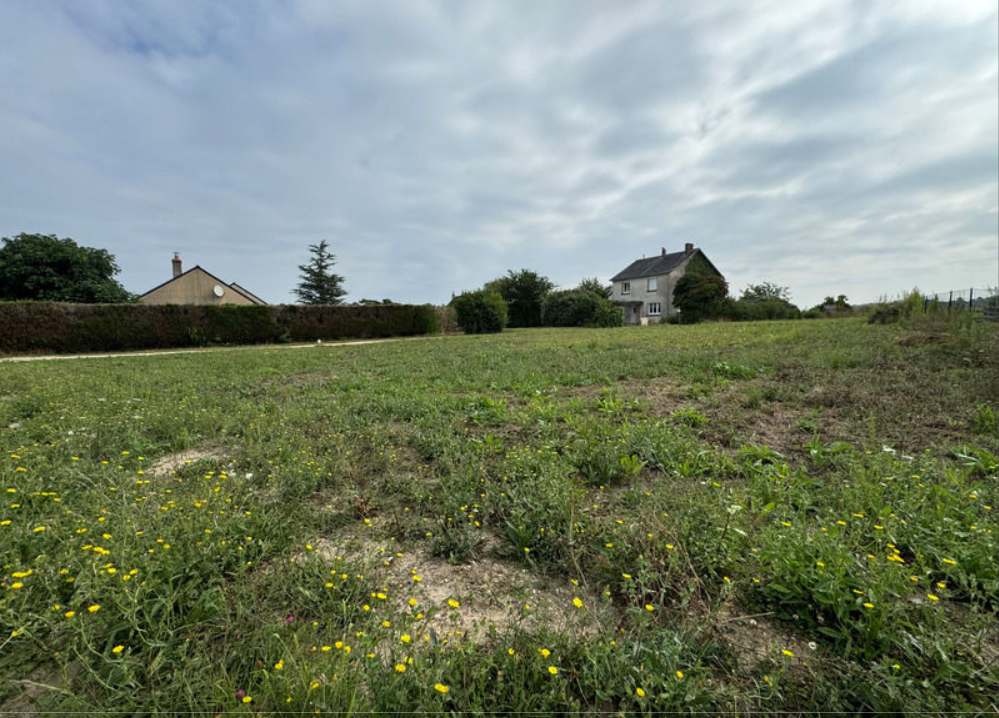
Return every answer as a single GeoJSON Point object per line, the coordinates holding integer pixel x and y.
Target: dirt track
{"type": "Point", "coordinates": [119, 355]}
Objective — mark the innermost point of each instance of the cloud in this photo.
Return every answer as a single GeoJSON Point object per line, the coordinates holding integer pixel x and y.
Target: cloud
{"type": "Point", "coordinates": [436, 144]}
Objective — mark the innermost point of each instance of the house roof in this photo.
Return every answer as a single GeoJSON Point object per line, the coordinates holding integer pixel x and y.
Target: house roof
{"type": "Point", "coordinates": [658, 265]}
{"type": "Point", "coordinates": [197, 268]}
{"type": "Point", "coordinates": [247, 293]}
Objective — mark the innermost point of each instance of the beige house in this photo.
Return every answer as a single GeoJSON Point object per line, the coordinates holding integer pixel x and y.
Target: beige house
{"type": "Point", "coordinates": [644, 289]}
{"type": "Point", "coordinates": [196, 286]}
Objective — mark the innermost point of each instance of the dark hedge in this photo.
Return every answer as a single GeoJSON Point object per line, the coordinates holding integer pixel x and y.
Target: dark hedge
{"type": "Point", "coordinates": [27, 327]}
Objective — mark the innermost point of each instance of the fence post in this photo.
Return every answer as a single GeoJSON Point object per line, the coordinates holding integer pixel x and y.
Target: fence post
{"type": "Point", "coordinates": [950, 300]}
{"type": "Point", "coordinates": [971, 299]}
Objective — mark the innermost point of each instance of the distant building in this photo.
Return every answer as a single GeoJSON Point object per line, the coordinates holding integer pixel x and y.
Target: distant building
{"type": "Point", "coordinates": [196, 286]}
{"type": "Point", "coordinates": [644, 289]}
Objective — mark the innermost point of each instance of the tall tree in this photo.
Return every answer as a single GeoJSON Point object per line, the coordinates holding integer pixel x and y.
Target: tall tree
{"type": "Point", "coordinates": [45, 267]}
{"type": "Point", "coordinates": [320, 285]}
{"type": "Point", "coordinates": [765, 292]}
{"type": "Point", "coordinates": [523, 292]}
{"type": "Point", "coordinates": [593, 286]}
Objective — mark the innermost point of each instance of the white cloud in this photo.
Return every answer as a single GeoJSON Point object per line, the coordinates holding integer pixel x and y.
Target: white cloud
{"type": "Point", "coordinates": [436, 145]}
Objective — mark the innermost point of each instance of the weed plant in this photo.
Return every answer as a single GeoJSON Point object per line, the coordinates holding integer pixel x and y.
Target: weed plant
{"type": "Point", "coordinates": [779, 517]}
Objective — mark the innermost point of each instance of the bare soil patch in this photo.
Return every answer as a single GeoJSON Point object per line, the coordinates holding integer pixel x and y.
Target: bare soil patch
{"type": "Point", "coordinates": [167, 465]}
{"type": "Point", "coordinates": [492, 595]}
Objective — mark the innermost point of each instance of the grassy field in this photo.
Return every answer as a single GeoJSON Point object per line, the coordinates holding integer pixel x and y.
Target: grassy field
{"type": "Point", "coordinates": [779, 517]}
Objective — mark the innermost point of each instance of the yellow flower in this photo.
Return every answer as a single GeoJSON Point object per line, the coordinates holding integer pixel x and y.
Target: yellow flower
{"type": "Point", "coordinates": [553, 670]}
{"type": "Point", "coordinates": [640, 692]}
{"type": "Point", "coordinates": [326, 649]}
{"type": "Point", "coordinates": [577, 603]}
{"type": "Point", "coordinates": [405, 638]}
{"type": "Point", "coordinates": [117, 649]}
{"type": "Point", "coordinates": [279, 666]}
{"type": "Point", "coordinates": [787, 653]}
{"type": "Point", "coordinates": [679, 674]}
{"type": "Point", "coordinates": [441, 688]}
{"type": "Point", "coordinates": [649, 607]}
{"type": "Point", "coordinates": [545, 652]}
{"type": "Point", "coordinates": [16, 586]}
{"type": "Point", "coordinates": [247, 699]}
{"type": "Point", "coordinates": [868, 605]}
{"type": "Point", "coordinates": [626, 575]}
{"type": "Point", "coordinates": [952, 562]}
{"type": "Point", "coordinates": [69, 614]}
{"type": "Point", "coordinates": [932, 597]}
{"type": "Point", "coordinates": [94, 609]}
{"type": "Point", "coordinates": [452, 603]}
{"type": "Point", "coordinates": [400, 667]}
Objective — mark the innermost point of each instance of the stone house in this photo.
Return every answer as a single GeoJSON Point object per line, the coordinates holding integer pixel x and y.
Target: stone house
{"type": "Point", "coordinates": [196, 286]}
{"type": "Point", "coordinates": [644, 289]}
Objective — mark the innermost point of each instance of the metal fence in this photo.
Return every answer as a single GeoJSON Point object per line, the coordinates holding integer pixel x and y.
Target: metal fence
{"type": "Point", "coordinates": [958, 300]}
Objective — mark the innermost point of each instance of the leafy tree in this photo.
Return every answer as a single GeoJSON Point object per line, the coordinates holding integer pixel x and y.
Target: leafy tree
{"type": "Point", "coordinates": [593, 286]}
{"type": "Point", "coordinates": [319, 284]}
{"type": "Point", "coordinates": [764, 292]}
{"type": "Point", "coordinates": [700, 297]}
{"type": "Point", "coordinates": [481, 312]}
{"type": "Point", "coordinates": [44, 267]}
{"type": "Point", "coordinates": [523, 292]}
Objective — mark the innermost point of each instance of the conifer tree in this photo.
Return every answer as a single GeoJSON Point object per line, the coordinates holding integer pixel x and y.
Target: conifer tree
{"type": "Point", "coordinates": [320, 285]}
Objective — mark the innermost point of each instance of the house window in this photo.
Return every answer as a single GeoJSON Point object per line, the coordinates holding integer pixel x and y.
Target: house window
{"type": "Point", "coordinates": [625, 287]}
{"type": "Point", "coordinates": [652, 285]}
{"type": "Point", "coordinates": [655, 309]}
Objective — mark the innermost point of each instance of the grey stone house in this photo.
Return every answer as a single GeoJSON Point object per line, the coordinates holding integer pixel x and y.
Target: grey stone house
{"type": "Point", "coordinates": [644, 289]}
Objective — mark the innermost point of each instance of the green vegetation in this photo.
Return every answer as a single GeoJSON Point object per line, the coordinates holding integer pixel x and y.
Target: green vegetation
{"type": "Point", "coordinates": [580, 308]}
{"type": "Point", "coordinates": [779, 517]}
{"type": "Point", "coordinates": [65, 328]}
{"type": "Point", "coordinates": [47, 268]}
{"type": "Point", "coordinates": [480, 312]}
{"type": "Point", "coordinates": [700, 296]}
{"type": "Point", "coordinates": [319, 283]}
{"type": "Point", "coordinates": [524, 292]}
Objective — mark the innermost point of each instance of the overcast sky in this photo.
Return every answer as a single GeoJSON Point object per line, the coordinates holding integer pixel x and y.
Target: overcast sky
{"type": "Point", "coordinates": [832, 147]}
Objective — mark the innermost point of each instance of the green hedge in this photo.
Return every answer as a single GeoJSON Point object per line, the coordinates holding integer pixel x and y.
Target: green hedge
{"type": "Point", "coordinates": [580, 308]}
{"type": "Point", "coordinates": [70, 328]}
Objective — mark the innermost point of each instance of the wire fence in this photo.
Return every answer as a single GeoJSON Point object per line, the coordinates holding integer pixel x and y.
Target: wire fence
{"type": "Point", "coordinates": [973, 299]}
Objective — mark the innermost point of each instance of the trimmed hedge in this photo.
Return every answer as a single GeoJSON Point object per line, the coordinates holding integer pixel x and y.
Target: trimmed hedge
{"type": "Point", "coordinates": [70, 328]}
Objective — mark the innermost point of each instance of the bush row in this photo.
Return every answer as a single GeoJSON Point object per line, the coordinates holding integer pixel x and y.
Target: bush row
{"type": "Point", "coordinates": [67, 328]}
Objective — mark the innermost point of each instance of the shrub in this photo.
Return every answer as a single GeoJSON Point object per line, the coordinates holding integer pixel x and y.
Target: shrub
{"type": "Point", "coordinates": [580, 308]}
{"type": "Point", "coordinates": [480, 312]}
{"type": "Point", "coordinates": [700, 297]}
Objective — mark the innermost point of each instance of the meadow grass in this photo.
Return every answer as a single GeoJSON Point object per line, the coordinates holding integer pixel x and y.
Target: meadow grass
{"type": "Point", "coordinates": [777, 517]}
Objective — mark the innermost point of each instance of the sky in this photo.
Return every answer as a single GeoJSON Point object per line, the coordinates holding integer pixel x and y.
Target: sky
{"type": "Point", "coordinates": [832, 147]}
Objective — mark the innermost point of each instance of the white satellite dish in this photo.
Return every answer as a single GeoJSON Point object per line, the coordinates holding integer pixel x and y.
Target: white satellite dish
{"type": "Point", "coordinates": [218, 290]}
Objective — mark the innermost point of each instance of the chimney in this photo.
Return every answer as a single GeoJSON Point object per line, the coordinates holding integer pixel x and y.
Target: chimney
{"type": "Point", "coordinates": [664, 252]}
{"type": "Point", "coordinates": [177, 271]}
{"type": "Point", "coordinates": [688, 248]}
